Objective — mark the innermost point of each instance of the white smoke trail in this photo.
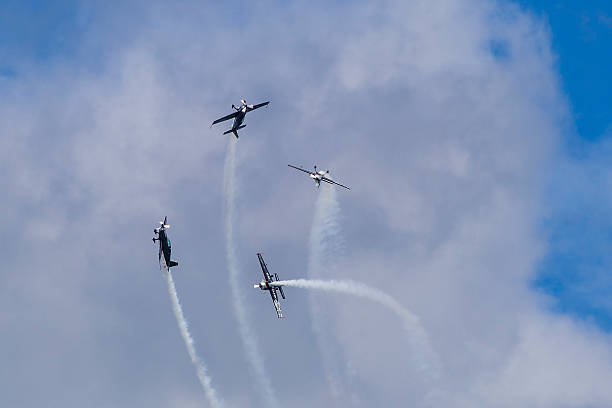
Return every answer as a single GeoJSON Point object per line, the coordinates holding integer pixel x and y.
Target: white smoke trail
{"type": "Point", "coordinates": [325, 243]}
{"type": "Point", "coordinates": [325, 237]}
{"type": "Point", "coordinates": [249, 340]}
{"type": "Point", "coordinates": [417, 335]}
{"type": "Point", "coordinates": [205, 380]}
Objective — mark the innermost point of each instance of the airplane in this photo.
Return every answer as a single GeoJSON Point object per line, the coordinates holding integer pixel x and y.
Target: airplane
{"type": "Point", "coordinates": [265, 285]}
{"type": "Point", "coordinates": [319, 176]}
{"type": "Point", "coordinates": [238, 116]}
{"type": "Point", "coordinates": [165, 246]}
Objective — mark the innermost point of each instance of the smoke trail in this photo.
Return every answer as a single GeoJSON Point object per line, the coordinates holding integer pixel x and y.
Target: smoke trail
{"type": "Point", "coordinates": [416, 333]}
{"type": "Point", "coordinates": [205, 380]}
{"type": "Point", "coordinates": [254, 357]}
{"type": "Point", "coordinates": [325, 242]}
{"type": "Point", "coordinates": [325, 238]}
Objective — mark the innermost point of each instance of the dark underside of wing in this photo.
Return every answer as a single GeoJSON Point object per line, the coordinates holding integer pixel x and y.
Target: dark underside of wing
{"type": "Point", "coordinates": [300, 169]}
{"type": "Point", "coordinates": [273, 294]}
{"type": "Point", "coordinates": [230, 116]}
{"type": "Point", "coordinates": [333, 182]}
{"type": "Point", "coordinates": [264, 268]}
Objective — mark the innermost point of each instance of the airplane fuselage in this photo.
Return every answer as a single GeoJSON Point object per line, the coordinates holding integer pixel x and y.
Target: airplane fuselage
{"type": "Point", "coordinates": [317, 177]}
{"type": "Point", "coordinates": [239, 118]}
{"type": "Point", "coordinates": [263, 285]}
{"type": "Point", "coordinates": [165, 248]}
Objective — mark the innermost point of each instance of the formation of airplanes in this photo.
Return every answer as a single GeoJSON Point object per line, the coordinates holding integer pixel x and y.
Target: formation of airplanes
{"type": "Point", "coordinates": [268, 283]}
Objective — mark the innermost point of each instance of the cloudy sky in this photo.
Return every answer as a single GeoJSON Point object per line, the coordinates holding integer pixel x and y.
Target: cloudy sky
{"type": "Point", "coordinates": [475, 136]}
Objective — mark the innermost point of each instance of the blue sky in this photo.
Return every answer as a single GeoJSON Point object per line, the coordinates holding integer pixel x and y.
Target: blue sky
{"type": "Point", "coordinates": [581, 36]}
{"type": "Point", "coordinates": [492, 191]}
{"type": "Point", "coordinates": [577, 268]}
{"type": "Point", "coordinates": [39, 31]}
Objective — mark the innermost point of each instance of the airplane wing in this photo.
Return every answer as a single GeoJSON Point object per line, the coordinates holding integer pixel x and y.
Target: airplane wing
{"type": "Point", "coordinates": [230, 116]}
{"type": "Point", "coordinates": [259, 105]}
{"type": "Point", "coordinates": [264, 269]}
{"type": "Point", "coordinates": [333, 182]}
{"type": "Point", "coordinates": [277, 306]}
{"type": "Point", "coordinates": [300, 169]}
{"type": "Point", "coordinates": [274, 295]}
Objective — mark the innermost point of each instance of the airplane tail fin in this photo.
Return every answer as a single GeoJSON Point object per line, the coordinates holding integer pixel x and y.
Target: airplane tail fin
{"type": "Point", "coordinates": [234, 131]}
{"type": "Point", "coordinates": [172, 263]}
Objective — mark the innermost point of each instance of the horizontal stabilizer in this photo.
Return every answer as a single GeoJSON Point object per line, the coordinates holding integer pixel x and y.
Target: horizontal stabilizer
{"type": "Point", "coordinates": [172, 263]}
{"type": "Point", "coordinates": [233, 130]}
{"type": "Point", "coordinates": [280, 288]}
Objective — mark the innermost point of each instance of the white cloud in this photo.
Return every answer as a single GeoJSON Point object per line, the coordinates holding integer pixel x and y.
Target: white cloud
{"type": "Point", "coordinates": [443, 143]}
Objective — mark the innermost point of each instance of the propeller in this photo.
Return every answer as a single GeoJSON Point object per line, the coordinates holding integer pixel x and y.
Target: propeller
{"type": "Point", "coordinates": [243, 101]}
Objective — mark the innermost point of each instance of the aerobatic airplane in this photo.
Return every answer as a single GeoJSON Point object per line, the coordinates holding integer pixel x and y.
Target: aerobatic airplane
{"type": "Point", "coordinates": [265, 285]}
{"type": "Point", "coordinates": [165, 246]}
{"type": "Point", "coordinates": [238, 116]}
{"type": "Point", "coordinates": [319, 176]}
